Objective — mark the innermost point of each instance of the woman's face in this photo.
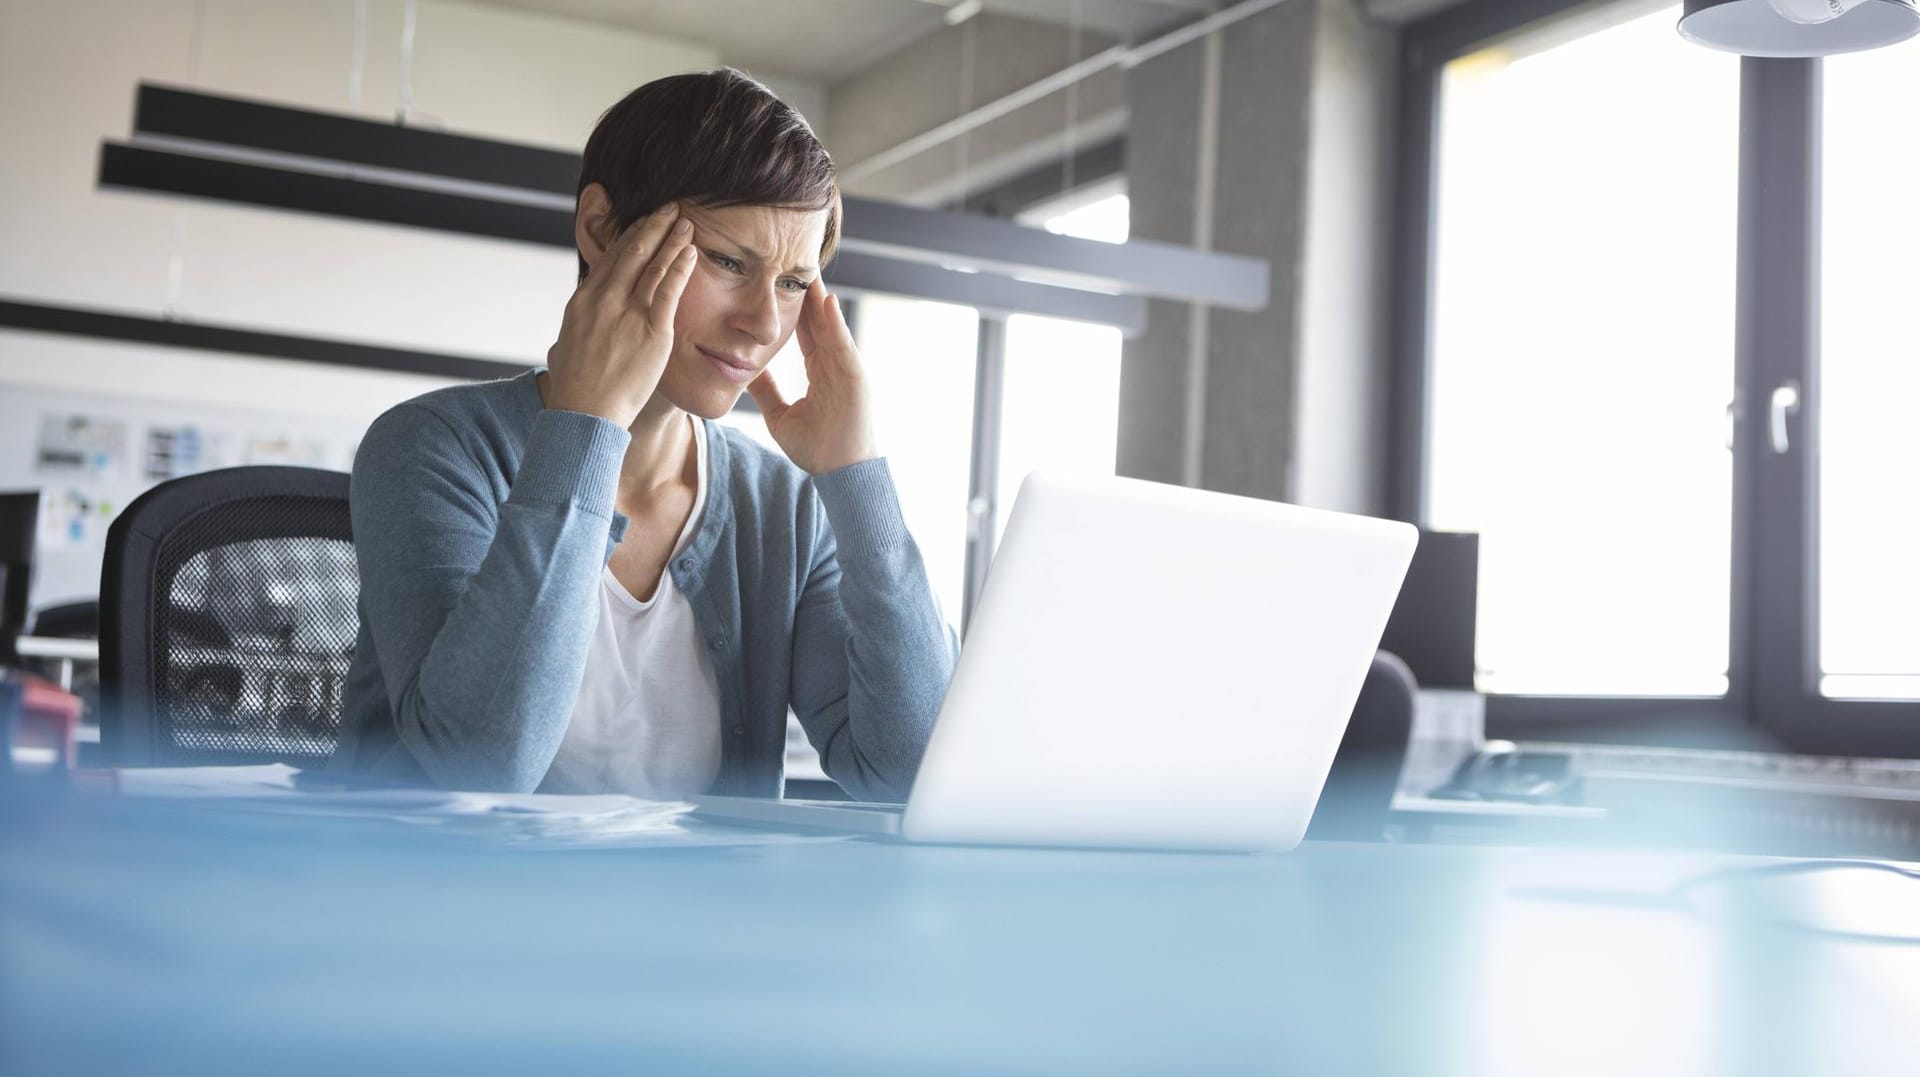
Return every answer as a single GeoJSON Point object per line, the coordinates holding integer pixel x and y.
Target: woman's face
{"type": "Point", "coordinates": [752, 268]}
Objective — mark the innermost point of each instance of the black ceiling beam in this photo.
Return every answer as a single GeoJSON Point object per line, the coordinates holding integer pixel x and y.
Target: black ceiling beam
{"type": "Point", "coordinates": [188, 114]}
{"type": "Point", "coordinates": [168, 171]}
{"type": "Point", "coordinates": [136, 167]}
{"type": "Point", "coordinates": [949, 240]}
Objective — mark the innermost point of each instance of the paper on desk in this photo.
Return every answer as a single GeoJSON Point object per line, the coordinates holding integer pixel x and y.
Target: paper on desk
{"type": "Point", "coordinates": [529, 820]}
{"type": "Point", "coordinates": [204, 781]}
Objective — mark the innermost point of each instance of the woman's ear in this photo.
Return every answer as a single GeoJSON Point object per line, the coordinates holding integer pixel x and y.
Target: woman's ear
{"type": "Point", "coordinates": [593, 225]}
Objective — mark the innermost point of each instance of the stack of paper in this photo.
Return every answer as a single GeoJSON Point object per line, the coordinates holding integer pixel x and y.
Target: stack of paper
{"type": "Point", "coordinates": [531, 820]}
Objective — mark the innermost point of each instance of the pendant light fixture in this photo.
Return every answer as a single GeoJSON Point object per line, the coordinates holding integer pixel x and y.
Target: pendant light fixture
{"type": "Point", "coordinates": [1798, 28]}
{"type": "Point", "coordinates": [202, 145]}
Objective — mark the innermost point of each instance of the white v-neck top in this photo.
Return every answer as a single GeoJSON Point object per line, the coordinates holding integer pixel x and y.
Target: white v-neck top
{"type": "Point", "coordinates": [647, 719]}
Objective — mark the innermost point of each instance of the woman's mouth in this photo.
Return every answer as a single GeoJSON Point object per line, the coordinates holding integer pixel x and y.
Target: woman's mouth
{"type": "Point", "coordinates": [731, 367]}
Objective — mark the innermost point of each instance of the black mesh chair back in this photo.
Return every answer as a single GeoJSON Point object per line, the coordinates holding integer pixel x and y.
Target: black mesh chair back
{"type": "Point", "coordinates": [19, 521]}
{"type": "Point", "coordinates": [227, 619]}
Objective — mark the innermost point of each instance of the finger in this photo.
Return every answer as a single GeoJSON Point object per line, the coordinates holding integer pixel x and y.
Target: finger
{"type": "Point", "coordinates": [766, 394]}
{"type": "Point", "coordinates": [808, 312]}
{"type": "Point", "coordinates": [668, 290]}
{"type": "Point", "coordinates": [819, 332]}
{"type": "Point", "coordinates": [662, 261]}
{"type": "Point", "coordinates": [836, 354]}
{"type": "Point", "coordinates": [630, 253]}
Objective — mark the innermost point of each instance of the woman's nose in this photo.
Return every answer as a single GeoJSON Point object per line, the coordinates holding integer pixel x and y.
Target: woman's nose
{"type": "Point", "coordinates": [759, 317]}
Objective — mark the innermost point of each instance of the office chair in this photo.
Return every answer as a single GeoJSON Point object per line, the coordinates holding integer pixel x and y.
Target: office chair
{"type": "Point", "coordinates": [1358, 797]}
{"type": "Point", "coordinates": [1433, 622]}
{"type": "Point", "coordinates": [228, 619]}
{"type": "Point", "coordinates": [69, 620]}
{"type": "Point", "coordinates": [1428, 641]}
{"type": "Point", "coordinates": [19, 520]}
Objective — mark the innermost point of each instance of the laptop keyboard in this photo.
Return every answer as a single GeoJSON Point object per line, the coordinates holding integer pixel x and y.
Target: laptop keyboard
{"type": "Point", "coordinates": [853, 805]}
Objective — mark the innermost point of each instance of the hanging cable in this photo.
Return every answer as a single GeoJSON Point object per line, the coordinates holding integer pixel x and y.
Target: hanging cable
{"type": "Point", "coordinates": [1199, 315]}
{"type": "Point", "coordinates": [1073, 102]}
{"type": "Point", "coordinates": [1122, 56]}
{"type": "Point", "coordinates": [358, 66]}
{"type": "Point", "coordinates": [967, 31]}
{"type": "Point", "coordinates": [406, 61]}
{"type": "Point", "coordinates": [176, 257]}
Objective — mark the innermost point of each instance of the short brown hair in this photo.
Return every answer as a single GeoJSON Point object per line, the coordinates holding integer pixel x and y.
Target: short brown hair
{"type": "Point", "coordinates": [715, 138]}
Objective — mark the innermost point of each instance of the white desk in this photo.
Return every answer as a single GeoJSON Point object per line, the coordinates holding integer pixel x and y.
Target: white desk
{"type": "Point", "coordinates": [64, 651]}
{"type": "Point", "coordinates": [153, 937]}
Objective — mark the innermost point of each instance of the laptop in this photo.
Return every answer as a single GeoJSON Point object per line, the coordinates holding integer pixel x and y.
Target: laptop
{"type": "Point", "coordinates": [1149, 666]}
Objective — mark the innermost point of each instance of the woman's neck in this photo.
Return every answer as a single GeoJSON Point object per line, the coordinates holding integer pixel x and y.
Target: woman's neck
{"type": "Point", "coordinates": [660, 457]}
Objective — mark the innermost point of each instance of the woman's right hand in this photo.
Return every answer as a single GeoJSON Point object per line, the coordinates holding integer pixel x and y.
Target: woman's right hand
{"type": "Point", "coordinates": [618, 327]}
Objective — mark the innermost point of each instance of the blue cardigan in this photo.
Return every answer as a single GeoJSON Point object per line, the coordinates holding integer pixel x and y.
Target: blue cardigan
{"type": "Point", "coordinates": [482, 521]}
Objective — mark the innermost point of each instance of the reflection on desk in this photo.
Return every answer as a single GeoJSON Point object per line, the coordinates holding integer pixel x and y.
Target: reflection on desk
{"type": "Point", "coordinates": [157, 937]}
{"type": "Point", "coordinates": [1757, 802]}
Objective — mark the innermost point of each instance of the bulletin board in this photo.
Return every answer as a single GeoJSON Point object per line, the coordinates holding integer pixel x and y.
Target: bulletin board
{"type": "Point", "coordinates": [91, 454]}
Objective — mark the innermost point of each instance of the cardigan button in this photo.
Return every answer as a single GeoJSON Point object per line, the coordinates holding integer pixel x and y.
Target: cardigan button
{"type": "Point", "coordinates": [739, 730]}
{"type": "Point", "coordinates": [717, 642]}
{"type": "Point", "coordinates": [686, 564]}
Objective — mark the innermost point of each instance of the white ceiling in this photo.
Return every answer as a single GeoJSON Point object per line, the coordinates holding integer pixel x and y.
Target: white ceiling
{"type": "Point", "coordinates": [830, 40]}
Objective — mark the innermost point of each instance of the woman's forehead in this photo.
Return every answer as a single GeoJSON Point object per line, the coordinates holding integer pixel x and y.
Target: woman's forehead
{"type": "Point", "coordinates": [789, 237]}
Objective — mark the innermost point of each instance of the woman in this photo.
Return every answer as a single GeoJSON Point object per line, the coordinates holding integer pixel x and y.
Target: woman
{"type": "Point", "coordinates": [573, 581]}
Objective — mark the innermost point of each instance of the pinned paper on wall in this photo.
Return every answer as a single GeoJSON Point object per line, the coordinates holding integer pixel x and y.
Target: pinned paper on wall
{"type": "Point", "coordinates": [71, 518]}
{"type": "Point", "coordinates": [286, 450]}
{"type": "Point", "coordinates": [92, 455]}
{"type": "Point", "coordinates": [80, 447]}
{"type": "Point", "coordinates": [173, 451]}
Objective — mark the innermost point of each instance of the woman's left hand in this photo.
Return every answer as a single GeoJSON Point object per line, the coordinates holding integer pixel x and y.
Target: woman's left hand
{"type": "Point", "coordinates": [832, 426]}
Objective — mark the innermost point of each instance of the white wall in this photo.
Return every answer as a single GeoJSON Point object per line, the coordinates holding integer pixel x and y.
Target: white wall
{"type": "Point", "coordinates": [481, 71]}
{"type": "Point", "coordinates": [67, 77]}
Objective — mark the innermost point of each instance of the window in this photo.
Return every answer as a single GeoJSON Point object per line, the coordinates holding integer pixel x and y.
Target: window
{"type": "Point", "coordinates": [920, 356]}
{"type": "Point", "coordinates": [920, 362]}
{"type": "Point", "coordinates": [1582, 356]}
{"type": "Point", "coordinates": [1061, 394]}
{"type": "Point", "coordinates": [1624, 255]}
{"type": "Point", "coordinates": [1869, 376]}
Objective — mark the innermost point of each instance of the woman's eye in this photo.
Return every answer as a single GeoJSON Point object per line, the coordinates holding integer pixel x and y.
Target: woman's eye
{"type": "Point", "coordinates": [794, 287]}
{"type": "Point", "coordinates": [724, 262]}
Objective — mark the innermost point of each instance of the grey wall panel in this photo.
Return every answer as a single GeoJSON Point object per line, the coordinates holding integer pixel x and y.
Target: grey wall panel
{"type": "Point", "coordinates": [1163, 101]}
{"type": "Point", "coordinates": [919, 88]}
{"type": "Point", "coordinates": [1266, 81]}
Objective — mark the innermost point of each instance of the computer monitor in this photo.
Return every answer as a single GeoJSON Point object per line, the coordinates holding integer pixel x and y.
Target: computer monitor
{"type": "Point", "coordinates": [1432, 625]}
{"type": "Point", "coordinates": [19, 522]}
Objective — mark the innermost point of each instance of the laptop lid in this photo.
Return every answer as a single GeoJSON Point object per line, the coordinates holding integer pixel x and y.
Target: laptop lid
{"type": "Point", "coordinates": [1156, 666]}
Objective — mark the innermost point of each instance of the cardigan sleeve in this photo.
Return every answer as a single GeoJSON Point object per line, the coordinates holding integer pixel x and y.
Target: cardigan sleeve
{"type": "Point", "coordinates": [479, 610]}
{"type": "Point", "coordinates": [872, 654]}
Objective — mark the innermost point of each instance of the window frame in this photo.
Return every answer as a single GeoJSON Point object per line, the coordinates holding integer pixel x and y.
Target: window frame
{"type": "Point", "coordinates": [1773, 677]}
{"type": "Point", "coordinates": [1781, 193]}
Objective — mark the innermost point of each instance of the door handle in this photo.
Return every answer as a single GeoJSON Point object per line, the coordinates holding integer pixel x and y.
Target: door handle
{"type": "Point", "coordinates": [1786, 403]}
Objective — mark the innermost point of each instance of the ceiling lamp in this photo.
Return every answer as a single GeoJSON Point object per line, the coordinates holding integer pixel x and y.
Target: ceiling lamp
{"type": "Point", "coordinates": [234, 150]}
{"type": "Point", "coordinates": [1798, 28]}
